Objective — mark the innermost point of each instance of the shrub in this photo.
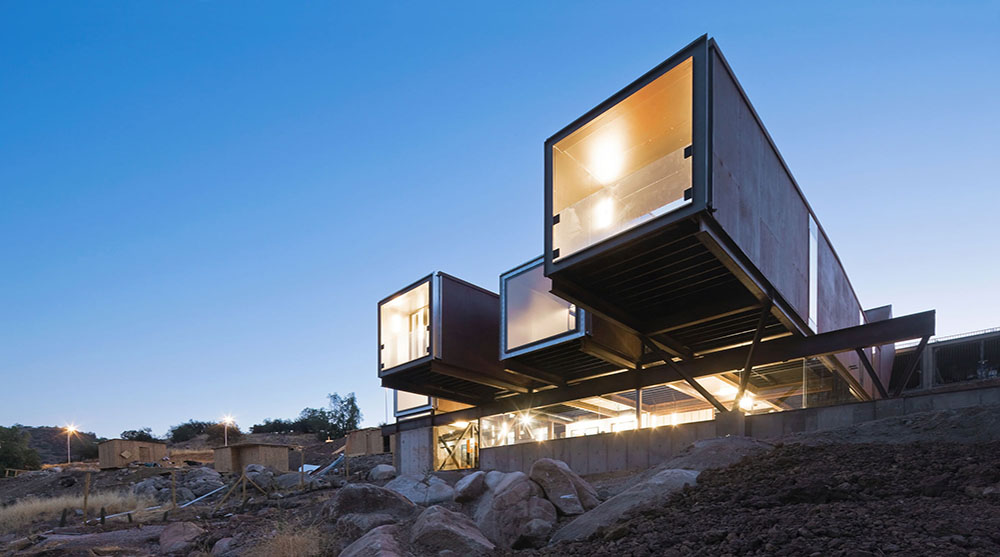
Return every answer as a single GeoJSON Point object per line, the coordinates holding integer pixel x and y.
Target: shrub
{"type": "Point", "coordinates": [217, 433]}
{"type": "Point", "coordinates": [144, 434]}
{"type": "Point", "coordinates": [187, 430]}
{"type": "Point", "coordinates": [14, 450]}
{"type": "Point", "coordinates": [342, 417]}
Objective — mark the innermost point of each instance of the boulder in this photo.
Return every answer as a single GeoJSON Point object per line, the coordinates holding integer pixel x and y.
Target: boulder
{"type": "Point", "coordinates": [505, 514]}
{"type": "Point", "coordinates": [470, 487]}
{"type": "Point", "coordinates": [202, 486]}
{"type": "Point", "coordinates": [184, 495]}
{"type": "Point", "coordinates": [203, 472]}
{"type": "Point", "coordinates": [493, 479]}
{"type": "Point", "coordinates": [260, 475]}
{"type": "Point", "coordinates": [223, 546]}
{"type": "Point", "coordinates": [709, 454]}
{"type": "Point", "coordinates": [368, 499]}
{"type": "Point", "coordinates": [179, 537]}
{"type": "Point", "coordinates": [146, 488]}
{"type": "Point", "coordinates": [438, 529]}
{"type": "Point", "coordinates": [653, 491]}
{"type": "Point", "coordinates": [380, 542]}
{"type": "Point", "coordinates": [291, 481]}
{"type": "Point", "coordinates": [354, 525]}
{"type": "Point", "coordinates": [570, 493]}
{"type": "Point", "coordinates": [202, 480]}
{"type": "Point", "coordinates": [382, 472]}
{"type": "Point", "coordinates": [422, 489]}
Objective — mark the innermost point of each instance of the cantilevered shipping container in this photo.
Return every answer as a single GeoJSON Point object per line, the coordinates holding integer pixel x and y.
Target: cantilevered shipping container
{"type": "Point", "coordinates": [438, 337]}
{"type": "Point", "coordinates": [550, 339]}
{"type": "Point", "coordinates": [669, 210]}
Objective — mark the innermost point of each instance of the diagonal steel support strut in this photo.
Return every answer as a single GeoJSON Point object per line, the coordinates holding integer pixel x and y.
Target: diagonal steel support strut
{"type": "Point", "coordinates": [917, 355]}
{"type": "Point", "coordinates": [748, 366]}
{"type": "Point", "coordinates": [657, 347]}
{"type": "Point", "coordinates": [871, 372]}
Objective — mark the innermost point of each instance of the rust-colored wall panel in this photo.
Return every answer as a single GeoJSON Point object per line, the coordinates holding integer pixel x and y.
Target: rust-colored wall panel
{"type": "Point", "coordinates": [755, 199]}
{"type": "Point", "coordinates": [470, 327]}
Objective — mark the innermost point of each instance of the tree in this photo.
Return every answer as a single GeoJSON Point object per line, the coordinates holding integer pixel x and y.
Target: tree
{"type": "Point", "coordinates": [217, 433]}
{"type": "Point", "coordinates": [341, 418]}
{"type": "Point", "coordinates": [187, 430]}
{"type": "Point", "coordinates": [14, 450]}
{"type": "Point", "coordinates": [277, 426]}
{"type": "Point", "coordinates": [144, 434]}
{"type": "Point", "coordinates": [345, 414]}
{"type": "Point", "coordinates": [316, 420]}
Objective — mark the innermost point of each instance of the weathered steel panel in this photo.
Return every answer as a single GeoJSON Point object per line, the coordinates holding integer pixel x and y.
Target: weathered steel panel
{"type": "Point", "coordinates": [755, 199]}
{"type": "Point", "coordinates": [470, 327]}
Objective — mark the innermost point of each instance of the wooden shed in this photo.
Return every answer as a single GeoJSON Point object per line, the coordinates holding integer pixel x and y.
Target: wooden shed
{"type": "Point", "coordinates": [119, 453]}
{"type": "Point", "coordinates": [235, 458]}
{"type": "Point", "coordinates": [366, 441]}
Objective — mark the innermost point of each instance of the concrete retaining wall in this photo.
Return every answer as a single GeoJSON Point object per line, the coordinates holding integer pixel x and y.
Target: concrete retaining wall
{"type": "Point", "coordinates": [636, 450]}
{"type": "Point", "coordinates": [415, 452]}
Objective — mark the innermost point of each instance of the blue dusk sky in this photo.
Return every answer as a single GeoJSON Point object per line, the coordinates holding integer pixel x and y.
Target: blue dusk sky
{"type": "Point", "coordinates": [201, 203]}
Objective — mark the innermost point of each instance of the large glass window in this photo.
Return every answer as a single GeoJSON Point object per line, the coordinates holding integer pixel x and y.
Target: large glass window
{"type": "Point", "coordinates": [626, 166]}
{"type": "Point", "coordinates": [814, 274]}
{"type": "Point", "coordinates": [404, 324]}
{"type": "Point", "coordinates": [532, 313]}
{"type": "Point", "coordinates": [410, 403]}
{"type": "Point", "coordinates": [774, 388]}
{"type": "Point", "coordinates": [456, 446]}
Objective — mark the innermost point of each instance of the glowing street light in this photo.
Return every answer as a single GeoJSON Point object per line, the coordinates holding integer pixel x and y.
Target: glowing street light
{"type": "Point", "coordinates": [227, 421]}
{"type": "Point", "coordinates": [70, 430]}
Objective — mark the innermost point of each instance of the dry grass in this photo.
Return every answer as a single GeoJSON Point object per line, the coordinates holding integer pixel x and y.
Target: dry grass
{"type": "Point", "coordinates": [31, 509]}
{"type": "Point", "coordinates": [291, 541]}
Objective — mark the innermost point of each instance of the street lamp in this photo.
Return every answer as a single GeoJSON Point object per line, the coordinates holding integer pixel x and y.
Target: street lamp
{"type": "Point", "coordinates": [226, 422]}
{"type": "Point", "coordinates": [70, 430]}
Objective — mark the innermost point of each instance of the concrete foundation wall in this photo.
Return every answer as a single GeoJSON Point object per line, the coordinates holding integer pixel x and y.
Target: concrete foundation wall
{"type": "Point", "coordinates": [415, 454]}
{"type": "Point", "coordinates": [637, 450]}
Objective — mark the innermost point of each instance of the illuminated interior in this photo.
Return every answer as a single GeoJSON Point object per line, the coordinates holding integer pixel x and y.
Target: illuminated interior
{"type": "Point", "coordinates": [409, 403]}
{"type": "Point", "coordinates": [404, 326]}
{"type": "Point", "coordinates": [626, 166]}
{"type": "Point", "coordinates": [456, 446]}
{"type": "Point", "coordinates": [785, 386]}
{"type": "Point", "coordinates": [532, 313]}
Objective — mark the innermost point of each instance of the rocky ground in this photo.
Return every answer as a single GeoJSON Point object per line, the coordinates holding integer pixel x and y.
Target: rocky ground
{"type": "Point", "coordinates": [924, 484]}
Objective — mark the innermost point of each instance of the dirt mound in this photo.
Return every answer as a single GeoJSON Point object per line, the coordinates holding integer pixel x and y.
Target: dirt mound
{"type": "Point", "coordinates": [856, 499]}
{"type": "Point", "coordinates": [977, 424]}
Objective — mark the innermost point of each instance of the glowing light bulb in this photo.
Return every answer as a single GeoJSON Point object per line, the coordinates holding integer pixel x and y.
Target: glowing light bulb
{"type": "Point", "coordinates": [746, 403]}
{"type": "Point", "coordinates": [604, 211]}
{"type": "Point", "coordinates": [607, 157]}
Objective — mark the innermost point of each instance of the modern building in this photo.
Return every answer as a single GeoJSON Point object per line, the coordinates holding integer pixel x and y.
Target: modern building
{"type": "Point", "coordinates": [684, 281]}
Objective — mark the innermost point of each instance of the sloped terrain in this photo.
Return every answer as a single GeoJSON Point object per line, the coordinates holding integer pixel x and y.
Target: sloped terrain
{"type": "Point", "coordinates": [924, 484]}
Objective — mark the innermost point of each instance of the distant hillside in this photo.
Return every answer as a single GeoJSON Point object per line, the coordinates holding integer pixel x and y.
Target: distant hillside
{"type": "Point", "coordinates": [50, 442]}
